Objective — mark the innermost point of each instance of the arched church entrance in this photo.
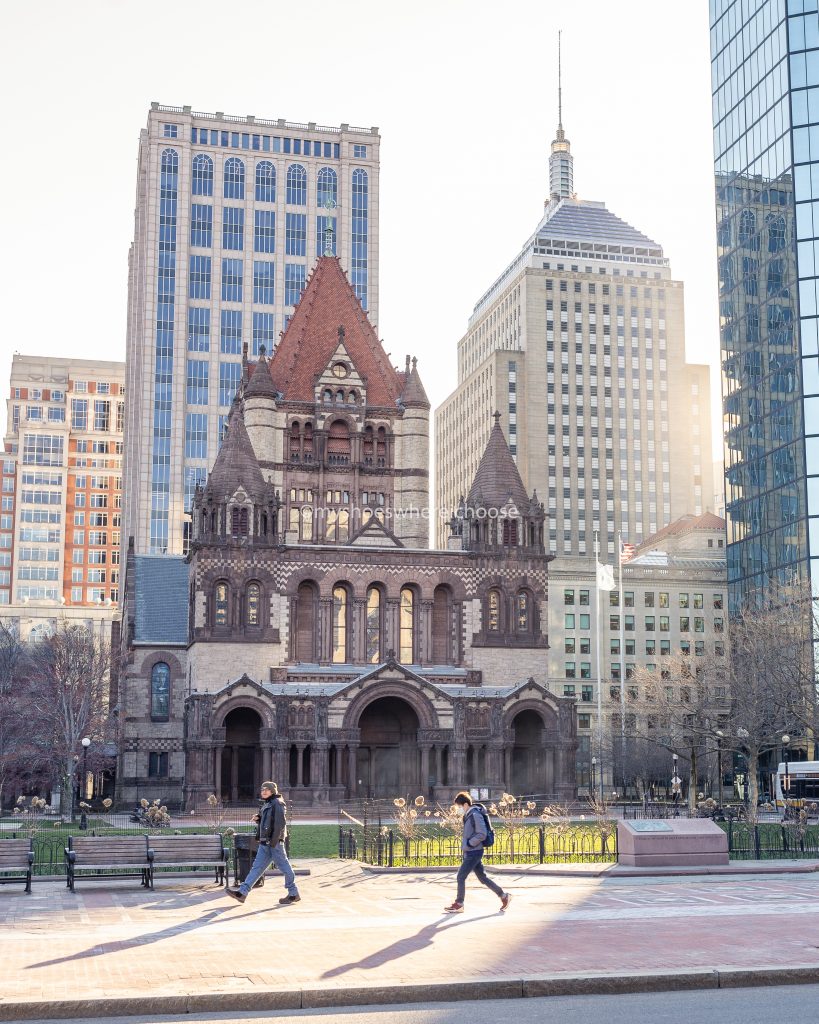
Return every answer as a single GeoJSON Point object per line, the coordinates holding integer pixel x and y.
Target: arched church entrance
{"type": "Point", "coordinates": [532, 764]}
{"type": "Point", "coordinates": [242, 756]}
{"type": "Point", "coordinates": [388, 758]}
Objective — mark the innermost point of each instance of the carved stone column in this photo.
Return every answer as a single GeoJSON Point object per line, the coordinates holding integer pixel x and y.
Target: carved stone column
{"type": "Point", "coordinates": [234, 774]}
{"type": "Point", "coordinates": [300, 747]}
{"type": "Point", "coordinates": [359, 631]}
{"type": "Point", "coordinates": [425, 634]}
{"type": "Point", "coordinates": [425, 749]}
{"type": "Point", "coordinates": [352, 781]}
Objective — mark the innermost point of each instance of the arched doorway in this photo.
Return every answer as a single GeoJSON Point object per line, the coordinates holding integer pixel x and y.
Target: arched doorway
{"type": "Point", "coordinates": [532, 768]}
{"type": "Point", "coordinates": [241, 760]}
{"type": "Point", "coordinates": [388, 759]}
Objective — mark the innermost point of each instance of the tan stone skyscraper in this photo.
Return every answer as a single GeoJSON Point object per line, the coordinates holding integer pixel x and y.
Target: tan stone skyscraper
{"type": "Point", "coordinates": [580, 345]}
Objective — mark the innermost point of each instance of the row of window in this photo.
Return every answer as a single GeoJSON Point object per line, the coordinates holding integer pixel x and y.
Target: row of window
{"type": "Point", "coordinates": [264, 143]}
{"type": "Point", "coordinates": [264, 233]}
{"type": "Point", "coordinates": [230, 330]}
{"type": "Point", "coordinates": [202, 179]}
{"type": "Point", "coordinates": [663, 599]}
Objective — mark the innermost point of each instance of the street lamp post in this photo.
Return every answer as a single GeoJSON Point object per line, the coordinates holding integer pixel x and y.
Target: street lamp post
{"type": "Point", "coordinates": [86, 743]}
{"type": "Point", "coordinates": [785, 741]}
{"type": "Point", "coordinates": [720, 736]}
{"type": "Point", "coordinates": [675, 782]}
{"type": "Point", "coordinates": [593, 775]}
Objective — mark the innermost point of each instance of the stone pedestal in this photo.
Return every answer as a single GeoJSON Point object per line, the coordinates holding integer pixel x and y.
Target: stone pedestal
{"type": "Point", "coordinates": [675, 841]}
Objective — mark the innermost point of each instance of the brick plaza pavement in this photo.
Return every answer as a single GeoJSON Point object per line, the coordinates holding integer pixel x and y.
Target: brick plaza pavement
{"type": "Point", "coordinates": [354, 928]}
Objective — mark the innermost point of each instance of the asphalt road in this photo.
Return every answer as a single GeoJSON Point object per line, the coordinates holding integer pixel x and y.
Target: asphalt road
{"type": "Point", "coordinates": [727, 1006]}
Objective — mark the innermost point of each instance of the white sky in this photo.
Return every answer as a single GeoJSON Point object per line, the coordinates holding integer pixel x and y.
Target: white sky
{"type": "Point", "coordinates": [465, 95]}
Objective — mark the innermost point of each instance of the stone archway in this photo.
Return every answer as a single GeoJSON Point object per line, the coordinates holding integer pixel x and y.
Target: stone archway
{"type": "Point", "coordinates": [533, 769]}
{"type": "Point", "coordinates": [242, 756]}
{"type": "Point", "coordinates": [388, 758]}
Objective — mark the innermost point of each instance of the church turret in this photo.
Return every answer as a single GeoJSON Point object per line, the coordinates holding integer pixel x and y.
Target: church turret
{"type": "Point", "coordinates": [261, 396]}
{"type": "Point", "coordinates": [236, 504]}
{"type": "Point", "coordinates": [498, 515]}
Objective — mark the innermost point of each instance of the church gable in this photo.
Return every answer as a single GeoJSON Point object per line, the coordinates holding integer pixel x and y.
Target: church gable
{"type": "Point", "coordinates": [341, 383]}
{"type": "Point", "coordinates": [375, 534]}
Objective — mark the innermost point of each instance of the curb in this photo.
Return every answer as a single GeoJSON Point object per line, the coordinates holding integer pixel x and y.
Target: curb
{"type": "Point", "coordinates": [614, 870]}
{"type": "Point", "coordinates": [528, 987]}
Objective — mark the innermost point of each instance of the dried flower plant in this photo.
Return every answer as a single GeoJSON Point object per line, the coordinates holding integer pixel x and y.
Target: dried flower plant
{"type": "Point", "coordinates": [30, 815]}
{"type": "Point", "coordinates": [406, 816]}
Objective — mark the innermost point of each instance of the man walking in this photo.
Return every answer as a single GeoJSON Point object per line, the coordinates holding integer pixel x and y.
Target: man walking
{"type": "Point", "coordinates": [474, 836]}
{"type": "Point", "coordinates": [271, 831]}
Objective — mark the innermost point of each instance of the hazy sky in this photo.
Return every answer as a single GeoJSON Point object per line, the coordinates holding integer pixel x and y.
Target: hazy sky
{"type": "Point", "coordinates": [465, 95]}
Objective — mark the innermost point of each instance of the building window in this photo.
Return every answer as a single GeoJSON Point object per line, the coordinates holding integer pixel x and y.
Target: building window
{"type": "Point", "coordinates": [79, 413]}
{"type": "Point", "coordinates": [264, 283]}
{"type": "Point", "coordinates": [230, 341]}
{"type": "Point", "coordinates": [197, 382]}
{"type": "Point", "coordinates": [265, 183]}
{"type": "Point", "coordinates": [295, 234]}
{"type": "Point", "coordinates": [406, 653]}
{"type": "Point", "coordinates": [233, 228]}
{"type": "Point", "coordinates": [296, 185]}
{"type": "Point", "coordinates": [360, 234]}
{"type": "Point", "coordinates": [234, 179]}
{"type": "Point", "coordinates": [359, 152]}
{"type": "Point", "coordinates": [524, 611]}
{"type": "Point", "coordinates": [239, 522]}
{"type": "Point", "coordinates": [253, 602]}
{"type": "Point", "coordinates": [326, 236]}
{"type": "Point", "coordinates": [441, 619]}
{"type": "Point", "coordinates": [170, 131]}
{"type": "Point", "coordinates": [232, 274]}
{"type": "Point", "coordinates": [198, 329]}
{"type": "Point", "coordinates": [160, 692]}
{"type": "Point", "coordinates": [570, 670]}
{"type": "Point", "coordinates": [339, 625]}
{"type": "Point", "coordinates": [196, 438]}
{"type": "Point", "coordinates": [202, 175]}
{"type": "Point", "coordinates": [220, 604]}
{"type": "Point", "coordinates": [201, 225]}
{"type": "Point", "coordinates": [294, 274]}
{"type": "Point", "coordinates": [264, 231]}
{"type": "Point", "coordinates": [264, 331]}
{"type": "Point", "coordinates": [493, 601]}
{"type": "Point", "coordinates": [568, 596]}
{"type": "Point", "coordinates": [373, 625]}
{"type": "Point", "coordinates": [683, 600]}
{"type": "Point", "coordinates": [326, 188]}
{"type": "Point", "coordinates": [229, 376]}
{"type": "Point", "coordinates": [157, 765]}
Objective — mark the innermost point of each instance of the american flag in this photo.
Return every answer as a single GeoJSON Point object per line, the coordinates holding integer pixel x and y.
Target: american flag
{"type": "Point", "coordinates": [627, 551]}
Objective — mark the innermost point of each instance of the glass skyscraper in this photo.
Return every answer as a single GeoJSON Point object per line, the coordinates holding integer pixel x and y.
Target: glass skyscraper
{"type": "Point", "coordinates": [765, 80]}
{"type": "Point", "coordinates": [231, 215]}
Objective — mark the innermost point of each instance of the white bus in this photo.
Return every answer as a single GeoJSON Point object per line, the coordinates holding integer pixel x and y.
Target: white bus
{"type": "Point", "coordinates": [802, 783]}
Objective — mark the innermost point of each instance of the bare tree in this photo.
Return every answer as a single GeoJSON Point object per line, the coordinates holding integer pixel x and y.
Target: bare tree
{"type": "Point", "coordinates": [68, 699]}
{"type": "Point", "coordinates": [13, 725]}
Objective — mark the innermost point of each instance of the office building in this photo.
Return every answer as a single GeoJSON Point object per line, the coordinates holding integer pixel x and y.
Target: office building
{"type": "Point", "coordinates": [580, 345]}
{"type": "Point", "coordinates": [230, 214]}
{"type": "Point", "coordinates": [765, 73]}
{"type": "Point", "coordinates": [62, 483]}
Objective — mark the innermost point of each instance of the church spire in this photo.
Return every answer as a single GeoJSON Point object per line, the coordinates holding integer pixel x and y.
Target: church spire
{"type": "Point", "coordinates": [561, 163]}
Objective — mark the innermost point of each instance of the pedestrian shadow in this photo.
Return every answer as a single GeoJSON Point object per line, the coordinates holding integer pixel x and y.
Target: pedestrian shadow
{"type": "Point", "coordinates": [403, 947]}
{"type": "Point", "coordinates": [102, 948]}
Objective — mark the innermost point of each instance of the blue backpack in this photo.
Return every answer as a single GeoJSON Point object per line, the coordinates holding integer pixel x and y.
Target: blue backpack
{"type": "Point", "coordinates": [490, 832]}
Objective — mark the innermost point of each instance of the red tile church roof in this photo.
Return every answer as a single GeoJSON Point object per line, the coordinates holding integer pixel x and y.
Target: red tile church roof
{"type": "Point", "coordinates": [307, 347]}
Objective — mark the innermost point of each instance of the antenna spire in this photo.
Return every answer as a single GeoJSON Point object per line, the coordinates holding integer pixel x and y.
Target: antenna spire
{"type": "Point", "coordinates": [561, 164]}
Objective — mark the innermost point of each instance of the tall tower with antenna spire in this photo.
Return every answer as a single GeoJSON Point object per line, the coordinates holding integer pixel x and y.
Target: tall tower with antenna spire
{"type": "Point", "coordinates": [561, 162]}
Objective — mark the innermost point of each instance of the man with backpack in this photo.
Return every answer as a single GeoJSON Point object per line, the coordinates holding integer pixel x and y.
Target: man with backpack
{"type": "Point", "coordinates": [477, 836]}
{"type": "Point", "coordinates": [271, 826]}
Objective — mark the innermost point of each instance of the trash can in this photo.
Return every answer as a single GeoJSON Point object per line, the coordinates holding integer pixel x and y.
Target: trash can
{"type": "Point", "coordinates": [244, 852]}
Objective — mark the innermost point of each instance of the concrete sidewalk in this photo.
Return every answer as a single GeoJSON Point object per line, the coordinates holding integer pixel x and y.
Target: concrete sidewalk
{"type": "Point", "coordinates": [364, 937]}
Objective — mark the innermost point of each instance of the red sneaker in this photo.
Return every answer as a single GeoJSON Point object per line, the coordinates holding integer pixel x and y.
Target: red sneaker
{"type": "Point", "coordinates": [506, 899]}
{"type": "Point", "coordinates": [454, 908]}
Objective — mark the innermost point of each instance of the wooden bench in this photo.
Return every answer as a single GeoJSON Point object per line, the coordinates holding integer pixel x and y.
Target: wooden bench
{"type": "Point", "coordinates": [188, 851]}
{"type": "Point", "coordinates": [16, 861]}
{"type": "Point", "coordinates": [107, 857]}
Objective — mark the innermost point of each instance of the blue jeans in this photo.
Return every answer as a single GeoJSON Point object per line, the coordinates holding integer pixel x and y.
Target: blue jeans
{"type": "Point", "coordinates": [277, 855]}
{"type": "Point", "coordinates": [473, 861]}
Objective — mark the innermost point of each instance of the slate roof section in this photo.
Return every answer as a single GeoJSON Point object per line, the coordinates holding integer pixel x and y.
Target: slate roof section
{"type": "Point", "coordinates": [236, 463]}
{"type": "Point", "coordinates": [591, 222]}
{"type": "Point", "coordinates": [261, 383]}
{"type": "Point", "coordinates": [685, 524]}
{"type": "Point", "coordinates": [498, 480]}
{"type": "Point", "coordinates": [307, 347]}
{"type": "Point", "coordinates": [161, 599]}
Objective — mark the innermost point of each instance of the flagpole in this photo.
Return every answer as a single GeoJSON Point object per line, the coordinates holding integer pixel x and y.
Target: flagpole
{"type": "Point", "coordinates": [622, 662]}
{"type": "Point", "coordinates": [597, 656]}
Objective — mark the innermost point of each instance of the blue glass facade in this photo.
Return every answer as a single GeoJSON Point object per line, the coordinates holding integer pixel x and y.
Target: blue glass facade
{"type": "Point", "coordinates": [765, 67]}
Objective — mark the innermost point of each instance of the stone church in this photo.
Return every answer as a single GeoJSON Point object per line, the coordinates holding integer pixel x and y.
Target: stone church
{"type": "Point", "coordinates": [311, 636]}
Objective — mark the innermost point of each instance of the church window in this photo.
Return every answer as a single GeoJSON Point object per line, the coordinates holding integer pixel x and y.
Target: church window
{"type": "Point", "coordinates": [327, 396]}
{"type": "Point", "coordinates": [510, 532]}
{"type": "Point", "coordinates": [339, 625]}
{"type": "Point", "coordinates": [305, 623]}
{"type": "Point", "coordinates": [338, 444]}
{"type": "Point", "coordinates": [523, 608]}
{"type": "Point", "coordinates": [369, 446]}
{"type": "Point", "coordinates": [238, 522]}
{"type": "Point", "coordinates": [381, 447]}
{"type": "Point", "coordinates": [307, 523]}
{"type": "Point", "coordinates": [308, 441]}
{"type": "Point", "coordinates": [254, 601]}
{"type": "Point", "coordinates": [494, 608]}
{"type": "Point", "coordinates": [160, 692]}
{"type": "Point", "coordinates": [406, 651]}
{"type": "Point", "coordinates": [220, 605]}
{"type": "Point", "coordinates": [373, 625]}
{"type": "Point", "coordinates": [440, 626]}
{"type": "Point", "coordinates": [343, 525]}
